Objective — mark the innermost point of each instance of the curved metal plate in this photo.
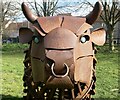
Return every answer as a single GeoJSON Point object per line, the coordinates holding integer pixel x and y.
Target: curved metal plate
{"type": "Point", "coordinates": [38, 50]}
{"type": "Point", "coordinates": [25, 35]}
{"type": "Point", "coordinates": [60, 38]}
{"type": "Point", "coordinates": [83, 69]}
{"type": "Point", "coordinates": [98, 36]}
{"type": "Point", "coordinates": [73, 23]}
{"type": "Point", "coordinates": [49, 23]}
{"type": "Point", "coordinates": [38, 70]}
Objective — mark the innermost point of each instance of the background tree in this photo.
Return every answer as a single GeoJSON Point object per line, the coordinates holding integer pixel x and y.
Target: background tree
{"type": "Point", "coordinates": [45, 8]}
{"type": "Point", "coordinates": [54, 7]}
{"type": "Point", "coordinates": [8, 13]}
{"type": "Point", "coordinates": [110, 16]}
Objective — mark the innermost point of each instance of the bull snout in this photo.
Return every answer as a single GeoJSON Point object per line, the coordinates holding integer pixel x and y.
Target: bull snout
{"type": "Point", "coordinates": [58, 62]}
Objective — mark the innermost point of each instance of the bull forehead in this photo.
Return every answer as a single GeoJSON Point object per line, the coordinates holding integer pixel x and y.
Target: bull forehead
{"type": "Point", "coordinates": [60, 38]}
{"type": "Point", "coordinates": [69, 22]}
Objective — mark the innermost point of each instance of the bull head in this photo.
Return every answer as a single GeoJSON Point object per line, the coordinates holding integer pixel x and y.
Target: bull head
{"type": "Point", "coordinates": [62, 47]}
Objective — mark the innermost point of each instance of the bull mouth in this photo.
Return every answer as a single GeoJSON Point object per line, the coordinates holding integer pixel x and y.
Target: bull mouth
{"type": "Point", "coordinates": [63, 82]}
{"type": "Point", "coordinates": [59, 80]}
{"type": "Point", "coordinates": [61, 49]}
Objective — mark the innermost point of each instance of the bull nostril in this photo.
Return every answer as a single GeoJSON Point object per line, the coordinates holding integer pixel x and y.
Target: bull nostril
{"type": "Point", "coordinates": [60, 76]}
{"type": "Point", "coordinates": [49, 62]}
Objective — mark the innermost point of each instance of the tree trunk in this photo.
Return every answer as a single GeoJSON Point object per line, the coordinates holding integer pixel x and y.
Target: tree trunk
{"type": "Point", "coordinates": [0, 40]}
{"type": "Point", "coordinates": [111, 37]}
{"type": "Point", "coordinates": [1, 32]}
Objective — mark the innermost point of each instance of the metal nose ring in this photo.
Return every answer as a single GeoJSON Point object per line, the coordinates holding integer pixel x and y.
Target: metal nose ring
{"type": "Point", "coordinates": [60, 76]}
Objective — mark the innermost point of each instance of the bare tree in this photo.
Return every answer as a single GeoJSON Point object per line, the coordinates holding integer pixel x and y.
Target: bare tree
{"type": "Point", "coordinates": [45, 8]}
{"type": "Point", "coordinates": [110, 16]}
{"type": "Point", "coordinates": [8, 12]}
{"type": "Point", "coordinates": [53, 7]}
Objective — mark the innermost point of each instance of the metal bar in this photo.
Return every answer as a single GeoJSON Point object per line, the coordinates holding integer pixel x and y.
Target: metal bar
{"type": "Point", "coordinates": [79, 87]}
{"type": "Point", "coordinates": [73, 95]}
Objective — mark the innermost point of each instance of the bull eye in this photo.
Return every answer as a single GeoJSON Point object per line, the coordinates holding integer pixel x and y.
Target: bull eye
{"type": "Point", "coordinates": [85, 31]}
{"type": "Point", "coordinates": [36, 39]}
{"type": "Point", "coordinates": [84, 38]}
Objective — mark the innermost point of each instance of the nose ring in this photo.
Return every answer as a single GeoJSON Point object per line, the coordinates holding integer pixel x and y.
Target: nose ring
{"type": "Point", "coordinates": [60, 76]}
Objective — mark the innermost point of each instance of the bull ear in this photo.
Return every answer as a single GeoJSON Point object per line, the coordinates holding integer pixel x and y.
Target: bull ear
{"type": "Point", "coordinates": [98, 36]}
{"type": "Point", "coordinates": [25, 35]}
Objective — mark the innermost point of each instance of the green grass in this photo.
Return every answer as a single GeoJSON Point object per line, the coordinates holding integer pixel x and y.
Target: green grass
{"type": "Point", "coordinates": [107, 75]}
{"type": "Point", "coordinates": [12, 71]}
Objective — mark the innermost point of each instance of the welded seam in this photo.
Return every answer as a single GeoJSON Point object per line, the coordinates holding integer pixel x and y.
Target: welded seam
{"type": "Point", "coordinates": [62, 21]}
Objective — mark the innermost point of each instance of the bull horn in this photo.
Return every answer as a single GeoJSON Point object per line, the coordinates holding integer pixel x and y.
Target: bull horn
{"type": "Point", "coordinates": [92, 16]}
{"type": "Point", "coordinates": [28, 14]}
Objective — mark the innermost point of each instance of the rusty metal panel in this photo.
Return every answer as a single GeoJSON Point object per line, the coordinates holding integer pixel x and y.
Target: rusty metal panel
{"type": "Point", "coordinates": [73, 23]}
{"type": "Point", "coordinates": [38, 70]}
{"type": "Point", "coordinates": [83, 69]}
{"type": "Point", "coordinates": [25, 35]}
{"type": "Point", "coordinates": [38, 50]}
{"type": "Point", "coordinates": [98, 36]}
{"type": "Point", "coordinates": [60, 38]}
{"type": "Point", "coordinates": [49, 23]}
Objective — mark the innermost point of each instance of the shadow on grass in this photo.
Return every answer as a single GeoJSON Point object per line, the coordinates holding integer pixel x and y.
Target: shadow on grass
{"type": "Point", "coordinates": [9, 97]}
{"type": "Point", "coordinates": [106, 99]}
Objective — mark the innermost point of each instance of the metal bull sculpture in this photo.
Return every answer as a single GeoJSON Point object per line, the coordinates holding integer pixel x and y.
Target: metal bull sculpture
{"type": "Point", "coordinates": [60, 62]}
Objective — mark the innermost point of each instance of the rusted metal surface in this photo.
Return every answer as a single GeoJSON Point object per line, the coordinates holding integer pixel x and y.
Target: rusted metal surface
{"type": "Point", "coordinates": [60, 62]}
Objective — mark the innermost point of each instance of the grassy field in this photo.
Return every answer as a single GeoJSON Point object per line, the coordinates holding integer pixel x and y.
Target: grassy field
{"type": "Point", "coordinates": [12, 71]}
{"type": "Point", "coordinates": [107, 76]}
